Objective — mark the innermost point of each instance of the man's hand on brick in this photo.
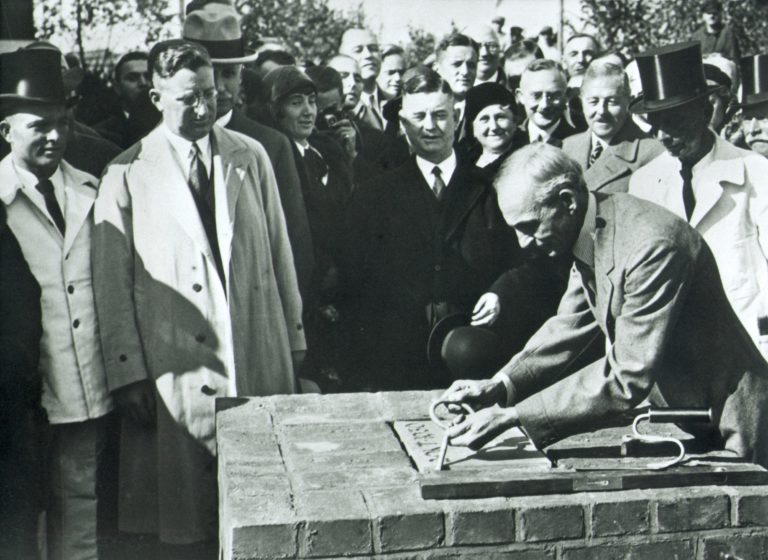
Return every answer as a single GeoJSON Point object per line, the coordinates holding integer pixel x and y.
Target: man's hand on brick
{"type": "Point", "coordinates": [477, 394]}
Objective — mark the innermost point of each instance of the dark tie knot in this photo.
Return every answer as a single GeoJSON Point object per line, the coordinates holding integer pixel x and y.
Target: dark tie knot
{"type": "Point", "coordinates": [45, 187]}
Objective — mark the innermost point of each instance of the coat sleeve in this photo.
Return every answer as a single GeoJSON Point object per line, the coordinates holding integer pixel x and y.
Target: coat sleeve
{"type": "Point", "coordinates": [656, 281]}
{"type": "Point", "coordinates": [282, 256]}
{"type": "Point", "coordinates": [554, 347]}
{"type": "Point", "coordinates": [113, 262]}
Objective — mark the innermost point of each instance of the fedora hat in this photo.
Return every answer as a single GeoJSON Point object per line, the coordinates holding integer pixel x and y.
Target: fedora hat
{"type": "Point", "coordinates": [217, 27]}
{"type": "Point", "coordinates": [459, 351]}
{"type": "Point", "coordinates": [31, 75]}
{"type": "Point", "coordinates": [671, 76]}
{"type": "Point", "coordinates": [754, 80]}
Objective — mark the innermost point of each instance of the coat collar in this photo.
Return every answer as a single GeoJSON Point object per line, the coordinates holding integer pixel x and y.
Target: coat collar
{"type": "Point", "coordinates": [80, 189]}
{"type": "Point", "coordinates": [724, 165]}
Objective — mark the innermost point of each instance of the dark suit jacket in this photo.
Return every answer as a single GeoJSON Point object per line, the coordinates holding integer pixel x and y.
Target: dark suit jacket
{"type": "Point", "coordinates": [724, 42]}
{"type": "Point", "coordinates": [407, 250]}
{"type": "Point", "coordinates": [674, 338]}
{"type": "Point", "coordinates": [281, 155]}
{"type": "Point", "coordinates": [630, 149]}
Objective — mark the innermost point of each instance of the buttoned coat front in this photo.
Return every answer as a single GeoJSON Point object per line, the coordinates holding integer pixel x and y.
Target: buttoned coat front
{"type": "Point", "coordinates": [166, 316]}
{"type": "Point", "coordinates": [629, 150]}
{"type": "Point", "coordinates": [731, 213]}
{"type": "Point", "coordinates": [672, 337]}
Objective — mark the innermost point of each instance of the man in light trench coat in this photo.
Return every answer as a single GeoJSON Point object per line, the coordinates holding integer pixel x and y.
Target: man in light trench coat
{"type": "Point", "coordinates": [196, 291]}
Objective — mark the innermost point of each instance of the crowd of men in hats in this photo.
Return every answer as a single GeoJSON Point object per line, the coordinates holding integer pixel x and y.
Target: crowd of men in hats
{"type": "Point", "coordinates": [552, 239]}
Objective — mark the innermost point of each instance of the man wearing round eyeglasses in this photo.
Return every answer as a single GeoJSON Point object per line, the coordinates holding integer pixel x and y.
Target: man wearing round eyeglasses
{"type": "Point", "coordinates": [196, 296]}
{"type": "Point", "coordinates": [489, 55]}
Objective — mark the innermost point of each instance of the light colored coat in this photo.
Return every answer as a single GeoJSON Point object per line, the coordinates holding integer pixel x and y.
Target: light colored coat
{"type": "Point", "coordinates": [166, 315]}
{"type": "Point", "coordinates": [74, 382]}
{"type": "Point", "coordinates": [628, 151]}
{"type": "Point", "coordinates": [672, 337]}
{"type": "Point", "coordinates": [731, 213]}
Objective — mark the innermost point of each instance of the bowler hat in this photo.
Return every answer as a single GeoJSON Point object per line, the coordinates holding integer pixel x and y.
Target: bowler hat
{"type": "Point", "coordinates": [671, 76]}
{"type": "Point", "coordinates": [754, 80]}
{"type": "Point", "coordinates": [217, 27]}
{"type": "Point", "coordinates": [285, 80]}
{"type": "Point", "coordinates": [31, 75]}
{"type": "Point", "coordinates": [466, 352]}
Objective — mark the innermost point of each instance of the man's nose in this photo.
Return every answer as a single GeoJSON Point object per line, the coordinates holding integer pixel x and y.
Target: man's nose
{"type": "Point", "coordinates": [524, 240]}
{"type": "Point", "coordinates": [754, 126]}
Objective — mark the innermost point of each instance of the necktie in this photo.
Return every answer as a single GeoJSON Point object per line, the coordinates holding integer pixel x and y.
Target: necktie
{"type": "Point", "coordinates": [375, 109]}
{"type": "Point", "coordinates": [45, 187]}
{"type": "Point", "coordinates": [597, 151]}
{"type": "Point", "coordinates": [200, 185]}
{"type": "Point", "coordinates": [689, 200]}
{"type": "Point", "coordinates": [438, 185]}
{"type": "Point", "coordinates": [198, 176]}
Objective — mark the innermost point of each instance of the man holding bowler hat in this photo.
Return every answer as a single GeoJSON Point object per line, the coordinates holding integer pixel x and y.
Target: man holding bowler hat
{"type": "Point", "coordinates": [721, 190]}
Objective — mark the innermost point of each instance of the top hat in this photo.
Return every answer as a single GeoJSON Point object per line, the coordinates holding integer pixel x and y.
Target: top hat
{"type": "Point", "coordinates": [754, 80]}
{"type": "Point", "coordinates": [466, 352]}
{"type": "Point", "coordinates": [32, 75]}
{"type": "Point", "coordinates": [217, 28]}
{"type": "Point", "coordinates": [671, 76]}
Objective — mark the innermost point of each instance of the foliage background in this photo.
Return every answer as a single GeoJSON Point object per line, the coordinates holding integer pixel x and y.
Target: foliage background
{"type": "Point", "coordinates": [632, 26]}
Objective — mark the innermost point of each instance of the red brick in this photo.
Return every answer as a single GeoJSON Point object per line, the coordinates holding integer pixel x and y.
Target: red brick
{"type": "Point", "coordinates": [333, 524]}
{"type": "Point", "coordinates": [662, 550]}
{"type": "Point", "coordinates": [550, 522]}
{"type": "Point", "coordinates": [735, 546]}
{"type": "Point", "coordinates": [403, 521]}
{"type": "Point", "coordinates": [261, 528]}
{"type": "Point", "coordinates": [692, 510]}
{"type": "Point", "coordinates": [615, 514]}
{"type": "Point", "coordinates": [489, 521]}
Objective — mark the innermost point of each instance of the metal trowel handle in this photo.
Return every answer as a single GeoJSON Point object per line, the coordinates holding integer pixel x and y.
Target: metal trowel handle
{"type": "Point", "coordinates": [674, 415]}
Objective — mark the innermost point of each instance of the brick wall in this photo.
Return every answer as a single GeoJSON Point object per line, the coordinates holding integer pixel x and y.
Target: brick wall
{"type": "Point", "coordinates": [316, 476]}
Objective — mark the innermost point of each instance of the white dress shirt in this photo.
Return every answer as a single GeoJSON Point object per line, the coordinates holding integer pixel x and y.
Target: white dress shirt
{"type": "Point", "coordinates": [447, 167]}
{"type": "Point", "coordinates": [536, 133]}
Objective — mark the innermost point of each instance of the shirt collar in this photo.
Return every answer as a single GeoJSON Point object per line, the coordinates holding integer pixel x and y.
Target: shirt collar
{"type": "Point", "coordinates": [709, 157]}
{"type": "Point", "coordinates": [584, 248]}
{"type": "Point", "coordinates": [27, 181]}
{"type": "Point", "coordinates": [223, 120]}
{"type": "Point", "coordinates": [447, 167]}
{"type": "Point", "coordinates": [494, 78]}
{"type": "Point", "coordinates": [535, 131]}
{"type": "Point", "coordinates": [183, 147]}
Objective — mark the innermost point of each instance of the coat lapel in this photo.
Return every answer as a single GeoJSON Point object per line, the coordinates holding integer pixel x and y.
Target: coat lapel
{"type": "Point", "coordinates": [710, 189]}
{"type": "Point", "coordinates": [230, 169]}
{"type": "Point", "coordinates": [80, 198]}
{"type": "Point", "coordinates": [463, 192]}
{"type": "Point", "coordinates": [605, 236]}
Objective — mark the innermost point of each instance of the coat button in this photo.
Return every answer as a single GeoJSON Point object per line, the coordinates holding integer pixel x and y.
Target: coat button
{"type": "Point", "coordinates": [206, 390]}
{"type": "Point", "coordinates": [71, 289]}
{"type": "Point", "coordinates": [438, 268]}
{"type": "Point", "coordinates": [299, 327]}
{"type": "Point", "coordinates": [123, 358]}
{"type": "Point", "coordinates": [76, 323]}
{"type": "Point", "coordinates": [197, 287]}
{"type": "Point", "coordinates": [200, 338]}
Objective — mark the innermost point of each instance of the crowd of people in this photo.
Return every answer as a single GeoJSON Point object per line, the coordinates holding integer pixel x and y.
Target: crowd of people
{"type": "Point", "coordinates": [569, 235]}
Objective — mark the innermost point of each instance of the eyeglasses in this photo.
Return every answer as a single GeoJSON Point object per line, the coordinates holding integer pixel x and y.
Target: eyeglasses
{"type": "Point", "coordinates": [194, 98]}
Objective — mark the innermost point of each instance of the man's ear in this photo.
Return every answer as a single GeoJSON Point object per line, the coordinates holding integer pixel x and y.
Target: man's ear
{"type": "Point", "coordinates": [154, 97]}
{"type": "Point", "coordinates": [568, 199]}
{"type": "Point", "coordinates": [5, 130]}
